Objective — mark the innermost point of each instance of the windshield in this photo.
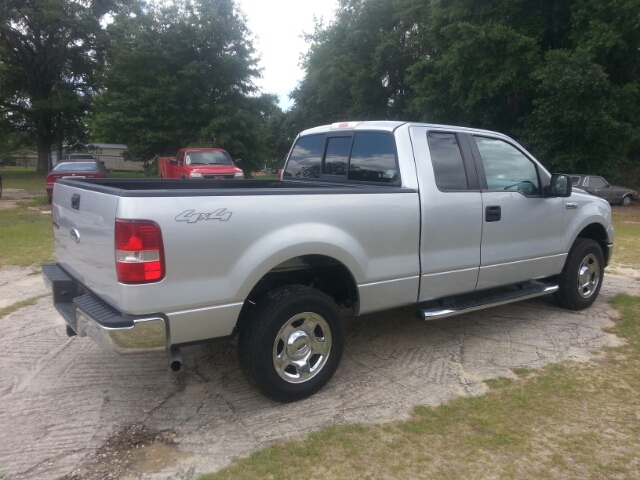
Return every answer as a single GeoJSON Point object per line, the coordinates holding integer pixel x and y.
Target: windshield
{"type": "Point", "coordinates": [208, 158]}
{"type": "Point", "coordinates": [76, 167]}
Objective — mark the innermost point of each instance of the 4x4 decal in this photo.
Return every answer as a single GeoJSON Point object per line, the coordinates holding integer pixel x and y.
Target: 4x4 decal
{"type": "Point", "coordinates": [191, 216]}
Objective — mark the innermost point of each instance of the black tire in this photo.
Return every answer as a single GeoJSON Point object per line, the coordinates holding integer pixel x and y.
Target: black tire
{"type": "Point", "coordinates": [49, 198]}
{"type": "Point", "coordinates": [626, 201]}
{"type": "Point", "coordinates": [582, 275]}
{"type": "Point", "coordinates": [261, 344]}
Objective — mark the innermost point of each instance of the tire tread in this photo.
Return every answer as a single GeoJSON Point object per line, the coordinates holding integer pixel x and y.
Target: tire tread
{"type": "Point", "coordinates": [567, 295]}
{"type": "Point", "coordinates": [254, 331]}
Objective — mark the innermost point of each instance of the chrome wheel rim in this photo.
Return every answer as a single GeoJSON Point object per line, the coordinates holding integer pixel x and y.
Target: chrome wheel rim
{"type": "Point", "coordinates": [626, 200]}
{"type": "Point", "coordinates": [302, 347]}
{"type": "Point", "coordinates": [588, 276]}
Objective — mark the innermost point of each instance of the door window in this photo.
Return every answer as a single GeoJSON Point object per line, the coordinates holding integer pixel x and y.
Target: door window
{"type": "Point", "coordinates": [597, 182]}
{"type": "Point", "coordinates": [506, 168]}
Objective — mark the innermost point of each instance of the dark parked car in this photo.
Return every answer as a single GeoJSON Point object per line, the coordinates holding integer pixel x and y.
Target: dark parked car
{"type": "Point", "coordinates": [599, 186]}
{"type": "Point", "coordinates": [78, 169]}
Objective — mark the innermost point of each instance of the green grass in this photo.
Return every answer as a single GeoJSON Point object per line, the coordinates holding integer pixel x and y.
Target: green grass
{"type": "Point", "coordinates": [568, 420]}
{"type": "Point", "coordinates": [26, 236]}
{"type": "Point", "coordinates": [23, 178]}
{"type": "Point", "coordinates": [35, 201]}
{"type": "Point", "coordinates": [626, 221]}
{"type": "Point", "coordinates": [129, 175]}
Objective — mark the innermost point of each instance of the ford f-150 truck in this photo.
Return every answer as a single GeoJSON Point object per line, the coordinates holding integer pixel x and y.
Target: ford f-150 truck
{"type": "Point", "coordinates": [367, 216]}
{"type": "Point", "coordinates": [211, 163]}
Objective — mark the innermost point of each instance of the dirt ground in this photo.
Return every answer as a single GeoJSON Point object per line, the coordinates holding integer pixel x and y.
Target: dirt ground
{"type": "Point", "coordinates": [10, 197]}
{"type": "Point", "coordinates": [73, 411]}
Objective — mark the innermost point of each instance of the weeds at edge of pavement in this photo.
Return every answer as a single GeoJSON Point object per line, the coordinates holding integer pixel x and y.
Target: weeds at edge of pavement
{"type": "Point", "coordinates": [21, 304]}
{"type": "Point", "coordinates": [36, 201]}
{"type": "Point", "coordinates": [566, 420]}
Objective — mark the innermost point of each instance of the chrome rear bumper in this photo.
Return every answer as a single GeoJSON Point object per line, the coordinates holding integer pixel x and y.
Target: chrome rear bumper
{"type": "Point", "coordinates": [87, 315]}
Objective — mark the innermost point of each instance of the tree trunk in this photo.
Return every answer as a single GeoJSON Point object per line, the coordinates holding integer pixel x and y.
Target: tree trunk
{"type": "Point", "coordinates": [45, 137]}
{"type": "Point", "coordinates": [59, 149]}
{"type": "Point", "coordinates": [44, 155]}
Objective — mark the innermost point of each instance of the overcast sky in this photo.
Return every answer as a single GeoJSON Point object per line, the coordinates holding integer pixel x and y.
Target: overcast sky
{"type": "Point", "coordinates": [277, 26]}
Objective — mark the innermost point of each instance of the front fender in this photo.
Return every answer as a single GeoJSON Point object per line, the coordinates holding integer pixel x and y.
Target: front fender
{"type": "Point", "coordinates": [590, 210]}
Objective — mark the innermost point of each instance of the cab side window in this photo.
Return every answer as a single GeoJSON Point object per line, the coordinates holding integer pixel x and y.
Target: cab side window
{"type": "Point", "coordinates": [506, 168]}
{"type": "Point", "coordinates": [448, 166]}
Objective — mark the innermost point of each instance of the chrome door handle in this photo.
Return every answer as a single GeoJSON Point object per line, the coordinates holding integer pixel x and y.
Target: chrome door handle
{"type": "Point", "coordinates": [572, 205]}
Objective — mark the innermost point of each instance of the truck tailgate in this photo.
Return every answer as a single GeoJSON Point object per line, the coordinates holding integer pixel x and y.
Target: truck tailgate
{"type": "Point", "coordinates": [83, 229]}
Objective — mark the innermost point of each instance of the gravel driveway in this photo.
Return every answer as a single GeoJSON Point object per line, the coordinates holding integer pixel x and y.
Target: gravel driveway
{"type": "Point", "coordinates": [71, 410]}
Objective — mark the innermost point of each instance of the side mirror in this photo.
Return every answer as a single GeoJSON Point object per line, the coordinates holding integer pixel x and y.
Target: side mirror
{"type": "Point", "coordinates": [560, 186]}
{"type": "Point", "coordinates": [173, 162]}
{"type": "Point", "coordinates": [238, 163]}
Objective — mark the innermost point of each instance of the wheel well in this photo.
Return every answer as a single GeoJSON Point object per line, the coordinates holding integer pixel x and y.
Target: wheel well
{"type": "Point", "coordinates": [316, 271]}
{"type": "Point", "coordinates": [596, 232]}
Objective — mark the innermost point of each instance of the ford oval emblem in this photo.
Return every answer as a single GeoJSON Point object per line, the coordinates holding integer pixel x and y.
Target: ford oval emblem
{"type": "Point", "coordinates": [75, 234]}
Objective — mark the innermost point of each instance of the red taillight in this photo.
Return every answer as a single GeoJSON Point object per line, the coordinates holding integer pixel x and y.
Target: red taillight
{"type": "Point", "coordinates": [51, 180]}
{"type": "Point", "coordinates": [139, 251]}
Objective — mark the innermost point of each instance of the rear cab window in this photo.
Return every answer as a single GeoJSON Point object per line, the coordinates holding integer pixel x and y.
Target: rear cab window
{"type": "Point", "coordinates": [354, 157]}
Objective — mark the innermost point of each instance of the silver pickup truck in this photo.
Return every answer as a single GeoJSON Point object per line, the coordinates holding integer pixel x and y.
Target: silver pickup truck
{"type": "Point", "coordinates": [367, 216]}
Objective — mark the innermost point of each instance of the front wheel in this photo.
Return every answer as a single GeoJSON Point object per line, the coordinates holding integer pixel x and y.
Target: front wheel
{"type": "Point", "coordinates": [291, 343]}
{"type": "Point", "coordinates": [582, 275]}
{"type": "Point", "coordinates": [626, 201]}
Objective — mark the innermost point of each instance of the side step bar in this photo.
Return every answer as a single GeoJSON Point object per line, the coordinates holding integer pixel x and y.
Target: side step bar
{"type": "Point", "coordinates": [481, 301]}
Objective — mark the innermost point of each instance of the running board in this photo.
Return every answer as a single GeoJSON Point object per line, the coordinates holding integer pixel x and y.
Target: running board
{"type": "Point", "coordinates": [482, 301]}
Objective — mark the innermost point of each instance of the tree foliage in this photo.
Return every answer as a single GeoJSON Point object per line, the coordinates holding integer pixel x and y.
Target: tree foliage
{"type": "Point", "coordinates": [562, 77]}
{"type": "Point", "coordinates": [182, 75]}
{"type": "Point", "coordinates": [50, 51]}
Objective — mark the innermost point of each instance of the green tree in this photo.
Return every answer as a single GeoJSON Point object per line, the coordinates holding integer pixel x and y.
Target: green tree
{"type": "Point", "coordinates": [578, 118]}
{"type": "Point", "coordinates": [478, 76]}
{"type": "Point", "coordinates": [49, 53]}
{"type": "Point", "coordinates": [181, 75]}
{"type": "Point", "coordinates": [355, 67]}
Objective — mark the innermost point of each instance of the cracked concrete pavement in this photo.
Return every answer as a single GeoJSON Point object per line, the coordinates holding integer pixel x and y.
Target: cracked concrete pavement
{"type": "Point", "coordinates": [71, 410]}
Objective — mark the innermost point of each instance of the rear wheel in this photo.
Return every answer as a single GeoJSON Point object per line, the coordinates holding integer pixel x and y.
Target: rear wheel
{"type": "Point", "coordinates": [626, 201]}
{"type": "Point", "coordinates": [582, 275]}
{"type": "Point", "coordinates": [291, 343]}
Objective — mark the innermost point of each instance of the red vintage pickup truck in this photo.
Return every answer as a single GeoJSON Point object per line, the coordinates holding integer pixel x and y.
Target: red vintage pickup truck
{"type": "Point", "coordinates": [212, 163]}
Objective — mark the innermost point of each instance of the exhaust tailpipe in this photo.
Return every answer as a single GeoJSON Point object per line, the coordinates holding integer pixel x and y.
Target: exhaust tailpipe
{"type": "Point", "coordinates": [175, 359]}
